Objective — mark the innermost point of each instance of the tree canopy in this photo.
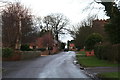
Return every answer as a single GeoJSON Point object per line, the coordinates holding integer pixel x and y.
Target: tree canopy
{"type": "Point", "coordinates": [93, 39]}
{"type": "Point", "coordinates": [113, 26]}
{"type": "Point", "coordinates": [16, 25]}
{"type": "Point", "coordinates": [55, 22]}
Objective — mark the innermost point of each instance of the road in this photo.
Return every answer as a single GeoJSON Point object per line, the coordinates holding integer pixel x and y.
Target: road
{"type": "Point", "coordinates": [53, 66]}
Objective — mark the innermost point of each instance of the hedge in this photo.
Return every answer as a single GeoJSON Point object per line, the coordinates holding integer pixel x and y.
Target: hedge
{"type": "Point", "coordinates": [7, 52]}
{"type": "Point", "coordinates": [41, 49]}
{"type": "Point", "coordinates": [108, 52]}
{"type": "Point", "coordinates": [25, 47]}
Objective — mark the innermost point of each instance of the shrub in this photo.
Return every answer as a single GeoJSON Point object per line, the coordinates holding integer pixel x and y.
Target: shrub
{"type": "Point", "coordinates": [116, 50]}
{"type": "Point", "coordinates": [0, 52]}
{"type": "Point", "coordinates": [7, 52]}
{"type": "Point", "coordinates": [108, 52]}
{"type": "Point", "coordinates": [41, 49]}
{"type": "Point", "coordinates": [63, 45]}
{"type": "Point", "coordinates": [102, 52]}
{"type": "Point", "coordinates": [25, 47]}
{"type": "Point", "coordinates": [98, 51]}
{"type": "Point", "coordinates": [92, 40]}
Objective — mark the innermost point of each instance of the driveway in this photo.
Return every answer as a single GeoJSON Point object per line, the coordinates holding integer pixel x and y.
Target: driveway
{"type": "Point", "coordinates": [53, 66]}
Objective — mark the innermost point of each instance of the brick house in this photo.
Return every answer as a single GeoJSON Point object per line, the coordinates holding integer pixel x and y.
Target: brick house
{"type": "Point", "coordinates": [98, 26]}
{"type": "Point", "coordinates": [47, 42]}
{"type": "Point", "coordinates": [71, 45]}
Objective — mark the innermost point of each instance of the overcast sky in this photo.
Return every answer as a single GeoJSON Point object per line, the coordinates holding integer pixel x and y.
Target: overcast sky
{"type": "Point", "coordinates": [70, 8]}
{"type": "Point", "coordinates": [73, 9]}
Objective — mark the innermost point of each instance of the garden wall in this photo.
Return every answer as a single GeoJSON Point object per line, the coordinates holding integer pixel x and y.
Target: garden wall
{"type": "Point", "coordinates": [29, 54]}
{"type": "Point", "coordinates": [22, 55]}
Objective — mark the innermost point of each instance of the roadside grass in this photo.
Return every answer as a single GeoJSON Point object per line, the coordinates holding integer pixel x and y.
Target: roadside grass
{"type": "Point", "coordinates": [92, 61]}
{"type": "Point", "coordinates": [81, 53]}
{"type": "Point", "coordinates": [109, 75]}
{"type": "Point", "coordinates": [0, 69]}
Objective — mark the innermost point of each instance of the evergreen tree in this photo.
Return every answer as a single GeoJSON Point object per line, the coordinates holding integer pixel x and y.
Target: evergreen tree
{"type": "Point", "coordinates": [113, 26]}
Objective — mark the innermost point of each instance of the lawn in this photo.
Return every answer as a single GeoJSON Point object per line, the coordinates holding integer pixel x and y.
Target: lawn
{"type": "Point", "coordinates": [92, 61]}
{"type": "Point", "coordinates": [109, 75]}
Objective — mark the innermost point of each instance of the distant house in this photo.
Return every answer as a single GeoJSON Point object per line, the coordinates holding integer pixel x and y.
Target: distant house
{"type": "Point", "coordinates": [98, 26]}
{"type": "Point", "coordinates": [47, 42]}
{"type": "Point", "coordinates": [71, 45]}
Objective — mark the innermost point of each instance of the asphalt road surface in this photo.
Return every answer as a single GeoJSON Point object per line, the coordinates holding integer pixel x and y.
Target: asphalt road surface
{"type": "Point", "coordinates": [53, 66]}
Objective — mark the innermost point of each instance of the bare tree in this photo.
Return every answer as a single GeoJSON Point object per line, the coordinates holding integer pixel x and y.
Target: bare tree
{"type": "Point", "coordinates": [89, 20]}
{"type": "Point", "coordinates": [56, 23]}
{"type": "Point", "coordinates": [74, 30]}
{"type": "Point", "coordinates": [81, 30]}
{"type": "Point", "coordinates": [49, 22]}
{"type": "Point", "coordinates": [37, 22]}
{"type": "Point", "coordinates": [16, 23]}
{"type": "Point", "coordinates": [85, 23]}
{"type": "Point", "coordinates": [0, 30]}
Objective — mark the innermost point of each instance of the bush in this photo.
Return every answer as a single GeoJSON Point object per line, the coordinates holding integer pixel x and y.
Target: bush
{"type": "Point", "coordinates": [93, 39]}
{"type": "Point", "coordinates": [25, 47]}
{"type": "Point", "coordinates": [63, 45]}
{"type": "Point", "coordinates": [98, 51]}
{"type": "Point", "coordinates": [0, 52]}
{"type": "Point", "coordinates": [116, 50]}
{"type": "Point", "coordinates": [41, 49]}
{"type": "Point", "coordinates": [108, 52]}
{"type": "Point", "coordinates": [7, 52]}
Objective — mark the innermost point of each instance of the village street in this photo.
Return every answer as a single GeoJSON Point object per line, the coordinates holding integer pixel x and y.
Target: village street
{"type": "Point", "coordinates": [54, 66]}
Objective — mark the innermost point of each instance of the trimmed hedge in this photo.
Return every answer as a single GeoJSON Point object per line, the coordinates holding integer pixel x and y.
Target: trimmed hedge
{"type": "Point", "coordinates": [25, 47]}
{"type": "Point", "coordinates": [29, 54]}
{"type": "Point", "coordinates": [22, 55]}
{"type": "Point", "coordinates": [41, 49]}
{"type": "Point", "coordinates": [108, 52]}
{"type": "Point", "coordinates": [7, 52]}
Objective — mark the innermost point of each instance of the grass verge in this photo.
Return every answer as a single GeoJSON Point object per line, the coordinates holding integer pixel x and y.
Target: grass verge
{"type": "Point", "coordinates": [109, 75]}
{"type": "Point", "coordinates": [92, 61]}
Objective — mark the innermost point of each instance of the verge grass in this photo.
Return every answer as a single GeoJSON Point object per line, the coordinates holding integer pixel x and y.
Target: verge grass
{"type": "Point", "coordinates": [110, 75]}
{"type": "Point", "coordinates": [92, 61]}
